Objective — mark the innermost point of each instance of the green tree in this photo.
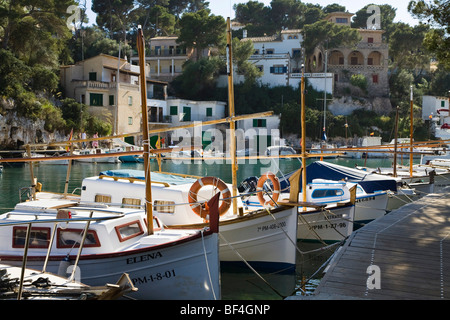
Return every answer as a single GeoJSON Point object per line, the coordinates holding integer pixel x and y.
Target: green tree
{"type": "Point", "coordinates": [200, 30]}
{"type": "Point", "coordinates": [287, 14]}
{"type": "Point", "coordinates": [323, 32]}
{"type": "Point", "coordinates": [35, 31]}
{"type": "Point", "coordinates": [437, 14]}
{"type": "Point", "coordinates": [406, 50]}
{"type": "Point", "coordinates": [334, 7]}
{"type": "Point", "coordinates": [359, 80]}
{"type": "Point", "coordinates": [242, 50]}
{"type": "Point", "coordinates": [387, 16]}
{"type": "Point", "coordinates": [256, 18]}
{"type": "Point", "coordinates": [198, 79]}
{"type": "Point", "coordinates": [115, 16]}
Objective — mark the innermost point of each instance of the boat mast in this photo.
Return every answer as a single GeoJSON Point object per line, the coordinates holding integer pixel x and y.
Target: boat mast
{"type": "Point", "coordinates": [411, 136]}
{"type": "Point", "coordinates": [324, 135]}
{"type": "Point", "coordinates": [395, 142]}
{"type": "Point", "coordinates": [146, 141]}
{"type": "Point", "coordinates": [231, 114]}
{"type": "Point", "coordinates": [303, 141]}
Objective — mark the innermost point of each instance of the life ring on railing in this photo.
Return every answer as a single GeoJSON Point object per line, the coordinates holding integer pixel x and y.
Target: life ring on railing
{"type": "Point", "coordinates": [275, 188]}
{"type": "Point", "coordinates": [202, 209]}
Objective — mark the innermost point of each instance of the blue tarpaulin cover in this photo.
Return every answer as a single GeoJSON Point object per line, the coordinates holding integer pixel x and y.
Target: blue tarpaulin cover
{"type": "Point", "coordinates": [370, 182]}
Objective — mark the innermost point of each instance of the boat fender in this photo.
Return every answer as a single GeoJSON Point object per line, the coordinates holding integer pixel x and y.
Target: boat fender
{"type": "Point", "coordinates": [63, 267]}
{"type": "Point", "coordinates": [275, 188]}
{"type": "Point", "coordinates": [202, 209]}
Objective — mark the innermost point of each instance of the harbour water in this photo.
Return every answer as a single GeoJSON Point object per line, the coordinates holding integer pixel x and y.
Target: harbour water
{"type": "Point", "coordinates": [239, 284]}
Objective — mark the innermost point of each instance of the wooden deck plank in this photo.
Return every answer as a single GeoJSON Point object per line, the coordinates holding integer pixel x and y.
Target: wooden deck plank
{"type": "Point", "coordinates": [411, 246]}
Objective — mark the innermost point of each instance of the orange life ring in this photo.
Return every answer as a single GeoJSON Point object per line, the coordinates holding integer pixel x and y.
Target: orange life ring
{"type": "Point", "coordinates": [275, 191]}
{"type": "Point", "coordinates": [202, 209]}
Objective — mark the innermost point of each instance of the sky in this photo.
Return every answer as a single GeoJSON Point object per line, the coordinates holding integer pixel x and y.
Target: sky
{"type": "Point", "coordinates": [225, 7]}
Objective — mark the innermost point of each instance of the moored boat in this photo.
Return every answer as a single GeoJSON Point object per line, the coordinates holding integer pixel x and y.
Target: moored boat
{"type": "Point", "coordinates": [168, 264]}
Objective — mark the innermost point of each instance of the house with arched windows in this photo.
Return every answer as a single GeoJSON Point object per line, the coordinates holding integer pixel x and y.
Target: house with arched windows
{"type": "Point", "coordinates": [368, 58]}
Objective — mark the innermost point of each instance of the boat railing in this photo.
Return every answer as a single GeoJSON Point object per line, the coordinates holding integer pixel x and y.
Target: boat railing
{"type": "Point", "coordinates": [62, 216]}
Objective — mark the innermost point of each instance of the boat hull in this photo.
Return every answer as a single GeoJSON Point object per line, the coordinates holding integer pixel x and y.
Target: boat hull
{"type": "Point", "coordinates": [328, 225]}
{"type": "Point", "coordinates": [370, 207]}
{"type": "Point", "coordinates": [264, 240]}
{"type": "Point", "coordinates": [169, 272]}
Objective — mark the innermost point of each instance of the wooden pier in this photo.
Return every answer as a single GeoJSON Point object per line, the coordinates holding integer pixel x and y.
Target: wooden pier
{"type": "Point", "coordinates": [403, 255]}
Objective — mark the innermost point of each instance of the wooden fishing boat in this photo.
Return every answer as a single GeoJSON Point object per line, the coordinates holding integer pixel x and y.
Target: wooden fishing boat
{"type": "Point", "coordinates": [168, 264]}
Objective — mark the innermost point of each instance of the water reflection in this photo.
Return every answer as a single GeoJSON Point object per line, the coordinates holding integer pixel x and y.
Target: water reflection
{"type": "Point", "coordinates": [244, 284]}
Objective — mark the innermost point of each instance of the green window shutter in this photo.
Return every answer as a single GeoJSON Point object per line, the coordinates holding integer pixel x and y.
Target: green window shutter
{"type": "Point", "coordinates": [92, 76]}
{"type": "Point", "coordinates": [443, 103]}
{"type": "Point", "coordinates": [259, 123]}
{"type": "Point", "coordinates": [173, 110]}
{"type": "Point", "coordinates": [186, 114]}
{"type": "Point", "coordinates": [96, 99]}
{"type": "Point", "coordinates": [209, 112]}
{"type": "Point", "coordinates": [111, 100]}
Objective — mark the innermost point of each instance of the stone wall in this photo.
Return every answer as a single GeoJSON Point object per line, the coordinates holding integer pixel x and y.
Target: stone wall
{"type": "Point", "coordinates": [18, 131]}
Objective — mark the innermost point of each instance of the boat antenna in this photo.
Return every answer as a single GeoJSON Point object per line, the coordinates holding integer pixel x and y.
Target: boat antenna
{"type": "Point", "coordinates": [145, 137]}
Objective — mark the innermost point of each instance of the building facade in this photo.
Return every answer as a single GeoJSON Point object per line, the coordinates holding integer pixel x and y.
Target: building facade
{"type": "Point", "coordinates": [368, 58]}
{"type": "Point", "coordinates": [279, 58]}
{"type": "Point", "coordinates": [94, 82]}
{"type": "Point", "coordinates": [165, 57]}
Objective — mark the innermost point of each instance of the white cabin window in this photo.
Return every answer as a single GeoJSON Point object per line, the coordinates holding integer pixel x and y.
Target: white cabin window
{"type": "Point", "coordinates": [129, 230]}
{"type": "Point", "coordinates": [71, 238]}
{"type": "Point", "coordinates": [164, 206]}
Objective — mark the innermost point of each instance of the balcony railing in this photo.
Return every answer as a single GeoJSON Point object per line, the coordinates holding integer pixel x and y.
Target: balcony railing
{"type": "Point", "coordinates": [102, 84]}
{"type": "Point", "coordinates": [166, 53]}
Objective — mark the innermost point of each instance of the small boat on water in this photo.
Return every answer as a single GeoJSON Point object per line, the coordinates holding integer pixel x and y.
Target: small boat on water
{"type": "Point", "coordinates": [32, 284]}
{"type": "Point", "coordinates": [368, 206]}
{"type": "Point", "coordinates": [38, 285]}
{"type": "Point", "coordinates": [168, 264]}
{"type": "Point", "coordinates": [262, 237]}
{"type": "Point", "coordinates": [95, 151]}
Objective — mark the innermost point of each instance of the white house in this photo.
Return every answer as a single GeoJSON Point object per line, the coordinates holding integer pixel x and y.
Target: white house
{"type": "Point", "coordinates": [279, 57]}
{"type": "Point", "coordinates": [432, 106]}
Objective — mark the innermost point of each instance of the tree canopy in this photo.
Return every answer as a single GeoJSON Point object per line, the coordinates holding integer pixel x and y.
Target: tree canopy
{"type": "Point", "coordinates": [437, 14]}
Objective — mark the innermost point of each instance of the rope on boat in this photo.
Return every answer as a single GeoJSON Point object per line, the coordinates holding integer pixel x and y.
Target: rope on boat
{"type": "Point", "coordinates": [207, 266]}
{"type": "Point", "coordinates": [250, 267]}
{"type": "Point", "coordinates": [321, 267]}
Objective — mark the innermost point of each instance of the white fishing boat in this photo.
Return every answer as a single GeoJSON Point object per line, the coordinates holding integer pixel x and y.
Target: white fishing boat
{"type": "Point", "coordinates": [260, 237]}
{"type": "Point", "coordinates": [331, 220]}
{"type": "Point", "coordinates": [95, 151]}
{"type": "Point", "coordinates": [368, 206]}
{"type": "Point", "coordinates": [168, 264]}
{"type": "Point", "coordinates": [57, 159]}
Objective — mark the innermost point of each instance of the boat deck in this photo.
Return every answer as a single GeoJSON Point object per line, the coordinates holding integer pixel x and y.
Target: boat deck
{"type": "Point", "coordinates": [403, 255]}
